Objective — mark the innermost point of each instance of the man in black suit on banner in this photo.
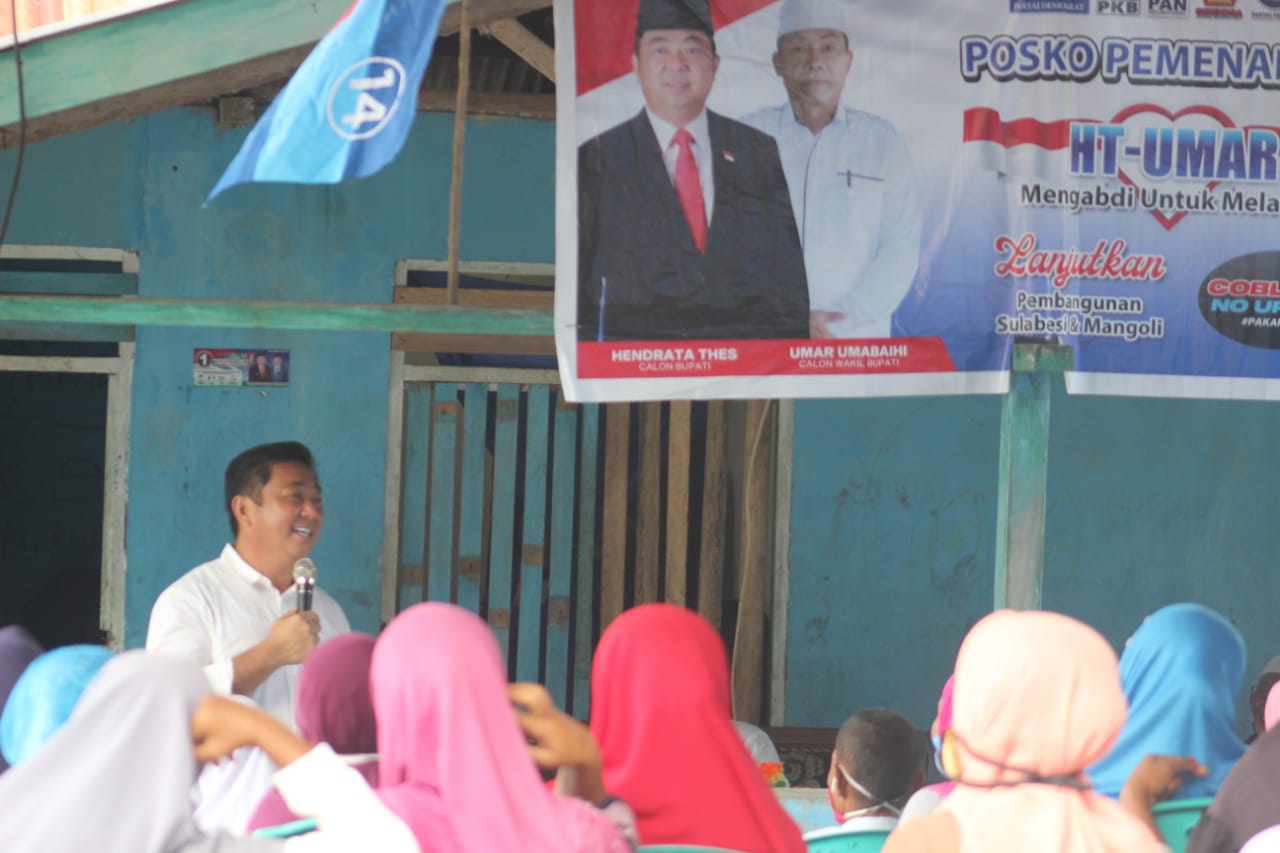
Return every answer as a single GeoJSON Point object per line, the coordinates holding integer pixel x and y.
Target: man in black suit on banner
{"type": "Point", "coordinates": [685, 223]}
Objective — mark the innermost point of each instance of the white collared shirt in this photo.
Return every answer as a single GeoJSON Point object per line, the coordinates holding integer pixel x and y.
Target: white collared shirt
{"type": "Point", "coordinates": [857, 207]}
{"type": "Point", "coordinates": [350, 814]}
{"type": "Point", "coordinates": [853, 826]}
{"type": "Point", "coordinates": [223, 608]}
{"type": "Point", "coordinates": [701, 148]}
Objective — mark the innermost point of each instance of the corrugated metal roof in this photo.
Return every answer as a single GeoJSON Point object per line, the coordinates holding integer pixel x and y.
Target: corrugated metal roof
{"type": "Point", "coordinates": [495, 68]}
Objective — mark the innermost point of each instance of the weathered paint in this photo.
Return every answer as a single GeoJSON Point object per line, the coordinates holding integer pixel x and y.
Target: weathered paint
{"type": "Point", "coordinates": [140, 185]}
{"type": "Point", "coordinates": [893, 516]}
{"type": "Point", "coordinates": [1152, 502]}
{"type": "Point", "coordinates": [471, 495]}
{"type": "Point", "coordinates": [178, 40]}
{"type": "Point", "coordinates": [533, 551]}
{"type": "Point", "coordinates": [441, 504]}
{"type": "Point", "coordinates": [1020, 492]}
{"type": "Point", "coordinates": [1149, 502]}
{"type": "Point", "coordinates": [894, 502]}
{"type": "Point", "coordinates": [441, 319]}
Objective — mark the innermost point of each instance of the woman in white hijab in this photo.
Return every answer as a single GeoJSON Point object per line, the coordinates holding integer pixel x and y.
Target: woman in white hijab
{"type": "Point", "coordinates": [117, 777]}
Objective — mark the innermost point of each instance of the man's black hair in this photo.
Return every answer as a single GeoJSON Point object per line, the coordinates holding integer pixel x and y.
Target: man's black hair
{"type": "Point", "coordinates": [251, 470]}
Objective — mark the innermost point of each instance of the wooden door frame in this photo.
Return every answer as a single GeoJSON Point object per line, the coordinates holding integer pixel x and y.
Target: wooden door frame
{"type": "Point", "coordinates": [119, 372]}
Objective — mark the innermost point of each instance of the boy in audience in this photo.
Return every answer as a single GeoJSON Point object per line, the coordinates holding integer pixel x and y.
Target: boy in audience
{"type": "Point", "coordinates": [878, 763]}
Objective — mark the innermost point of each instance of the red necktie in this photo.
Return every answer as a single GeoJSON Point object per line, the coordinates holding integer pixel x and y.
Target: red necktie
{"type": "Point", "coordinates": [689, 188]}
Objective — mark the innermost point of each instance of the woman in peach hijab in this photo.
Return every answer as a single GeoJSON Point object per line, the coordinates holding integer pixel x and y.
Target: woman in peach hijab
{"type": "Point", "coordinates": [1037, 699]}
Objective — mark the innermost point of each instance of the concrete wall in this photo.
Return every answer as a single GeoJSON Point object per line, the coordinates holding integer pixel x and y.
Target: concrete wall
{"type": "Point", "coordinates": [142, 184]}
{"type": "Point", "coordinates": [894, 500]}
{"type": "Point", "coordinates": [893, 513]}
{"type": "Point", "coordinates": [1150, 502]}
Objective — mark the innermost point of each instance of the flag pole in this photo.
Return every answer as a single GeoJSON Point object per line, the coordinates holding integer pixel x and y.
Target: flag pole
{"type": "Point", "coordinates": [459, 135]}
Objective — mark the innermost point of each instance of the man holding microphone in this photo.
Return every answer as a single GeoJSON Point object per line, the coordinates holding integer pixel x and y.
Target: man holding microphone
{"type": "Point", "coordinates": [237, 616]}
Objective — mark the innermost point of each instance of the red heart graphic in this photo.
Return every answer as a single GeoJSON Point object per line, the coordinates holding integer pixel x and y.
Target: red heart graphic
{"type": "Point", "coordinates": [1167, 222]}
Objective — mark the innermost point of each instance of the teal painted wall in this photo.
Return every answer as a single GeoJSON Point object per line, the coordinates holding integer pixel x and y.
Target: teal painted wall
{"type": "Point", "coordinates": [297, 243]}
{"type": "Point", "coordinates": [892, 543]}
{"type": "Point", "coordinates": [141, 185]}
{"type": "Point", "coordinates": [1150, 502]}
{"type": "Point", "coordinates": [894, 500]}
{"type": "Point", "coordinates": [1161, 501]}
{"type": "Point", "coordinates": [72, 191]}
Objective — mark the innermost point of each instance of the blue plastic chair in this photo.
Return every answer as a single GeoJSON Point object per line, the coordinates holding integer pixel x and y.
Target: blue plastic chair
{"type": "Point", "coordinates": [1176, 819]}
{"type": "Point", "coordinates": [682, 848]}
{"type": "Point", "coordinates": [287, 830]}
{"type": "Point", "coordinates": [866, 841]}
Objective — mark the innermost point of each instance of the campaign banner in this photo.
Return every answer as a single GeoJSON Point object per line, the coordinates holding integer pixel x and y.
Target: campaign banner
{"type": "Point", "coordinates": [879, 197]}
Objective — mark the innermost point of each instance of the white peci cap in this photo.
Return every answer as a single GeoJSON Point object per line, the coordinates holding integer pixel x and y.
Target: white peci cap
{"type": "Point", "coordinates": [813, 15]}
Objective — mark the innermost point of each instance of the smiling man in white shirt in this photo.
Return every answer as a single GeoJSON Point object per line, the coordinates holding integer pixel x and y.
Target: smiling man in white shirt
{"type": "Point", "coordinates": [236, 616]}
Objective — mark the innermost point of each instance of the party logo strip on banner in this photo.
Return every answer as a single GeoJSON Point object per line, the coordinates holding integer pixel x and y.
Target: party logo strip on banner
{"type": "Point", "coordinates": [830, 198]}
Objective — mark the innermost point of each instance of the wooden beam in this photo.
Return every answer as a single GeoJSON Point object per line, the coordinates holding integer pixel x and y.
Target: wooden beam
{"type": "Point", "coordinates": [195, 51]}
{"type": "Point", "coordinates": [679, 439]}
{"type": "Point", "coordinates": [1024, 471]}
{"type": "Point", "coordinates": [613, 543]}
{"type": "Point", "coordinates": [539, 107]}
{"type": "Point", "coordinates": [483, 12]}
{"type": "Point", "coordinates": [488, 344]}
{"type": "Point", "coordinates": [536, 300]}
{"type": "Point", "coordinates": [526, 45]}
{"type": "Point", "coordinates": [163, 96]}
{"type": "Point", "coordinates": [648, 512]}
{"type": "Point", "coordinates": [715, 488]}
{"type": "Point", "coordinates": [176, 41]}
{"type": "Point", "coordinates": [757, 560]}
{"type": "Point", "coordinates": [348, 317]}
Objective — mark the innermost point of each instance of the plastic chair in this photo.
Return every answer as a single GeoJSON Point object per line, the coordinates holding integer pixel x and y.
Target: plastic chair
{"type": "Point", "coordinates": [682, 848]}
{"type": "Point", "coordinates": [1176, 819]}
{"type": "Point", "coordinates": [866, 841]}
{"type": "Point", "coordinates": [287, 830]}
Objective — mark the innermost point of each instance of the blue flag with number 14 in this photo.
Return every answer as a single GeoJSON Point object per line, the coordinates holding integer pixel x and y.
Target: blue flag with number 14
{"type": "Point", "coordinates": [347, 111]}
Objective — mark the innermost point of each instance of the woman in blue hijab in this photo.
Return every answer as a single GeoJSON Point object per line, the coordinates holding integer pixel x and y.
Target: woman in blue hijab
{"type": "Point", "coordinates": [44, 697]}
{"type": "Point", "coordinates": [1181, 671]}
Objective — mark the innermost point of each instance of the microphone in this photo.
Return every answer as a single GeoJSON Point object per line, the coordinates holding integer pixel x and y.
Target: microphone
{"type": "Point", "coordinates": [604, 296]}
{"type": "Point", "coordinates": [304, 578]}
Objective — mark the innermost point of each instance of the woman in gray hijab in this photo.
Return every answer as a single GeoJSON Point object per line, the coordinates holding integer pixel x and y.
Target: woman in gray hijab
{"type": "Point", "coordinates": [117, 777]}
{"type": "Point", "coordinates": [17, 650]}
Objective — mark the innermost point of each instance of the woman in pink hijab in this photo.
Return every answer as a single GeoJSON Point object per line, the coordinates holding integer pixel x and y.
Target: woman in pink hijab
{"type": "Point", "coordinates": [453, 762]}
{"type": "Point", "coordinates": [1037, 699]}
{"type": "Point", "coordinates": [1271, 712]}
{"type": "Point", "coordinates": [930, 797]}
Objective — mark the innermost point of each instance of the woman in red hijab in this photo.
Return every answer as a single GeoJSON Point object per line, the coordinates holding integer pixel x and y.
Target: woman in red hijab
{"type": "Point", "coordinates": [661, 712]}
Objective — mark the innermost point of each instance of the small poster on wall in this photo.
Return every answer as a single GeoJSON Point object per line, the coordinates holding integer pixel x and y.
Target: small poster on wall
{"type": "Point", "coordinates": [237, 367]}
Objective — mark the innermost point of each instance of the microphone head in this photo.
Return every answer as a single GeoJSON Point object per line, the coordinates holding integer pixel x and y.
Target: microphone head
{"type": "Point", "coordinates": [304, 570]}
